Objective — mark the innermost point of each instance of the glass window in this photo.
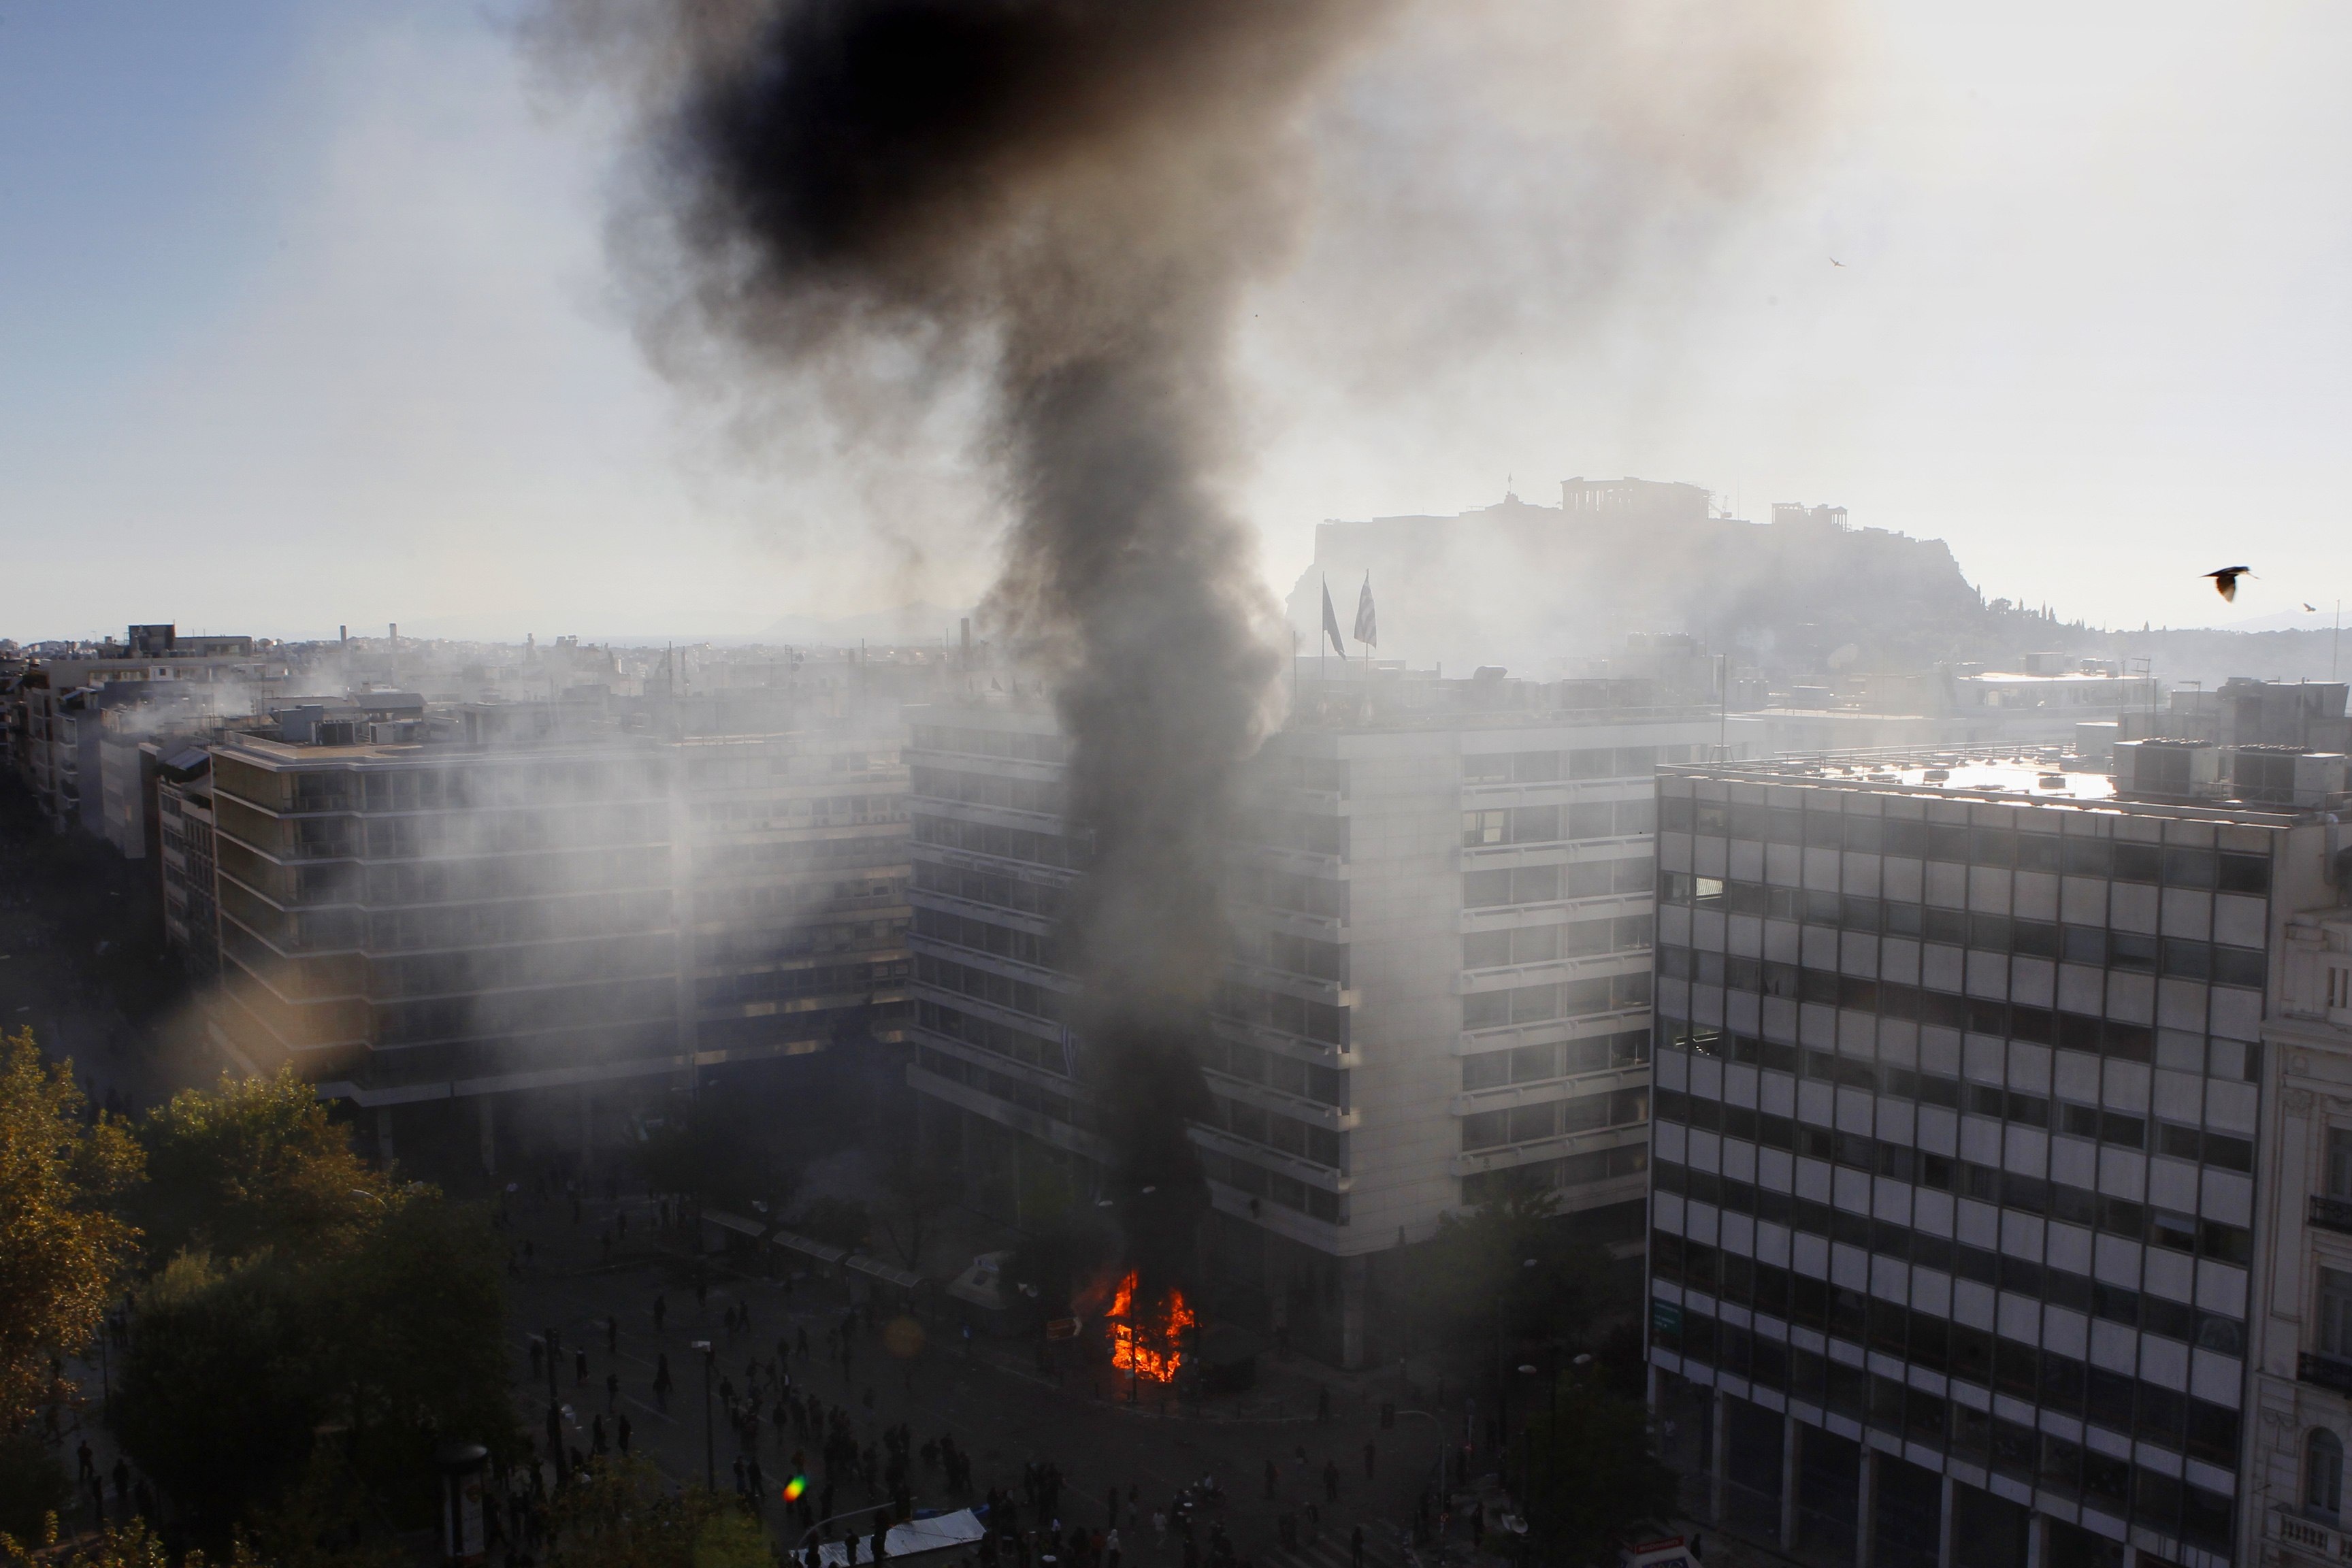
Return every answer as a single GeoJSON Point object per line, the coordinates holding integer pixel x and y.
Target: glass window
{"type": "Point", "coordinates": [2339, 1163]}
{"type": "Point", "coordinates": [2323, 1473]}
{"type": "Point", "coordinates": [2336, 1313]}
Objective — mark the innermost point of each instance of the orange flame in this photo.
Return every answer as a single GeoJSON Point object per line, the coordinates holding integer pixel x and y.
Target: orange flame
{"type": "Point", "coordinates": [1148, 1349]}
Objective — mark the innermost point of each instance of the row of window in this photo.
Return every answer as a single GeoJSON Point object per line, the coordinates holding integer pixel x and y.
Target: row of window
{"type": "Point", "coordinates": [742, 860]}
{"type": "Point", "coordinates": [1281, 1011]}
{"type": "Point", "coordinates": [2094, 1122]}
{"type": "Point", "coordinates": [1325, 1086]}
{"type": "Point", "coordinates": [1547, 1175]}
{"type": "Point", "coordinates": [985, 936]}
{"type": "Point", "coordinates": [1766, 1288]}
{"type": "Point", "coordinates": [1566, 999]}
{"type": "Point", "coordinates": [1551, 884]}
{"type": "Point", "coordinates": [1949, 1010]}
{"type": "Point", "coordinates": [2162, 1502]}
{"type": "Point", "coordinates": [506, 968]}
{"type": "Point", "coordinates": [2154, 1412]}
{"type": "Point", "coordinates": [770, 812]}
{"type": "Point", "coordinates": [1314, 832]}
{"type": "Point", "coordinates": [2096, 946]}
{"type": "Point", "coordinates": [990, 790]}
{"type": "Point", "coordinates": [1584, 762]}
{"type": "Point", "coordinates": [1281, 771]}
{"type": "Point", "coordinates": [511, 876]}
{"type": "Point", "coordinates": [1296, 892]}
{"type": "Point", "coordinates": [1549, 944]}
{"type": "Point", "coordinates": [1552, 824]}
{"type": "Point", "coordinates": [1273, 1187]}
{"type": "Point", "coordinates": [990, 742]}
{"type": "Point", "coordinates": [746, 900]}
{"type": "Point", "coordinates": [1255, 1124]}
{"type": "Point", "coordinates": [1003, 893]}
{"type": "Point", "coordinates": [2172, 866]}
{"type": "Point", "coordinates": [1017, 994]}
{"type": "Point", "coordinates": [1326, 961]}
{"type": "Point", "coordinates": [1002, 1086]}
{"type": "Point", "coordinates": [816, 980]}
{"type": "Point", "coordinates": [764, 766]}
{"type": "Point", "coordinates": [1988, 1185]}
{"type": "Point", "coordinates": [504, 1013]}
{"type": "Point", "coordinates": [1029, 1049]}
{"type": "Point", "coordinates": [1559, 1058]}
{"type": "Point", "coordinates": [1555, 1118]}
{"type": "Point", "coordinates": [1003, 843]}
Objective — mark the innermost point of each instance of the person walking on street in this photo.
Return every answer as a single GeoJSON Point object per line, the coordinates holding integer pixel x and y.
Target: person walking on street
{"type": "Point", "coordinates": [624, 1443]}
{"type": "Point", "coordinates": [580, 1366]}
{"type": "Point", "coordinates": [661, 1379]}
{"type": "Point", "coordinates": [612, 1391]}
{"type": "Point", "coordinates": [1330, 1480]}
{"type": "Point", "coordinates": [1356, 1548]}
{"type": "Point", "coordinates": [89, 1463]}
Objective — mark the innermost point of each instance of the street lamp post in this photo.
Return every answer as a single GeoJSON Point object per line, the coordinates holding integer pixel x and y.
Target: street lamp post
{"type": "Point", "coordinates": [709, 1450]}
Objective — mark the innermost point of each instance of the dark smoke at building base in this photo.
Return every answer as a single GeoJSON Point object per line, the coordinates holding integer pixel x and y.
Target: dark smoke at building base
{"type": "Point", "coordinates": [1071, 196]}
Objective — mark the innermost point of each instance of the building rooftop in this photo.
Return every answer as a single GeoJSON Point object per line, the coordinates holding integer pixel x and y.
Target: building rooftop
{"type": "Point", "coordinates": [2046, 776]}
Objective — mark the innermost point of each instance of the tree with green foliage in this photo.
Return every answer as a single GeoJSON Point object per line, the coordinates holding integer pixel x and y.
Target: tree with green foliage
{"type": "Point", "coordinates": [62, 1248]}
{"type": "Point", "coordinates": [311, 1297]}
{"type": "Point", "coordinates": [1589, 1473]}
{"type": "Point", "coordinates": [252, 1164]}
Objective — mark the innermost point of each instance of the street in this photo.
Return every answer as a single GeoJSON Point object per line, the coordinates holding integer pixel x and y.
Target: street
{"type": "Point", "coordinates": [992, 1401]}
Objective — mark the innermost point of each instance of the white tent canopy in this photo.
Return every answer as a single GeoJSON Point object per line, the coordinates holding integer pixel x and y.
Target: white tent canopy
{"type": "Point", "coordinates": [941, 1533]}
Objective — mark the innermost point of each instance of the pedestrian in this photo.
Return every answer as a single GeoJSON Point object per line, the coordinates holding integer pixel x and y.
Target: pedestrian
{"type": "Point", "coordinates": [624, 1432]}
{"type": "Point", "coordinates": [89, 1462]}
{"type": "Point", "coordinates": [1356, 1548]}
{"type": "Point", "coordinates": [121, 1480]}
{"type": "Point", "coordinates": [612, 1391]}
{"type": "Point", "coordinates": [661, 1379]}
{"type": "Point", "coordinates": [661, 1310]}
{"type": "Point", "coordinates": [1330, 1480]}
{"type": "Point", "coordinates": [759, 1481]}
{"type": "Point", "coordinates": [1110, 1548]}
{"type": "Point", "coordinates": [1322, 1407]}
{"type": "Point", "coordinates": [596, 1436]}
{"type": "Point", "coordinates": [739, 1474]}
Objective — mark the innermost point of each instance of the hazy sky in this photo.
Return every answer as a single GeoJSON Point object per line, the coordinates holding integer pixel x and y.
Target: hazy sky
{"type": "Point", "coordinates": [305, 316]}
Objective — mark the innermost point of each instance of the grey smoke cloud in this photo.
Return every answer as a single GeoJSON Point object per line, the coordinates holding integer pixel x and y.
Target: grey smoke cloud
{"type": "Point", "coordinates": [1070, 199]}
{"type": "Point", "coordinates": [1069, 205]}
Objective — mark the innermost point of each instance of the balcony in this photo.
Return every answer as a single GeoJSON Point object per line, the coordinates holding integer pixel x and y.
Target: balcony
{"type": "Point", "coordinates": [2324, 1372]}
{"type": "Point", "coordinates": [2308, 1537]}
{"type": "Point", "coordinates": [2330, 1214]}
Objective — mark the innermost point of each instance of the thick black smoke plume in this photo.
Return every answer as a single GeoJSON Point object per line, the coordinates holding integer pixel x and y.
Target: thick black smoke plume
{"type": "Point", "coordinates": [1078, 190]}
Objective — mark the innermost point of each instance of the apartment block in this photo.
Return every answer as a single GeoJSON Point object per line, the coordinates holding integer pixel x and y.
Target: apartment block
{"type": "Point", "coordinates": [1956, 1257]}
{"type": "Point", "coordinates": [1441, 900]}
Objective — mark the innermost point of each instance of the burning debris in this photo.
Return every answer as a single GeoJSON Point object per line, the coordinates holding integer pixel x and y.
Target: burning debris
{"type": "Point", "coordinates": [1151, 1344]}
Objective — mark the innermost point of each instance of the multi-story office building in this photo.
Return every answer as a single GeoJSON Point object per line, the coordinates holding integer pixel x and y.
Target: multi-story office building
{"type": "Point", "coordinates": [1441, 900]}
{"type": "Point", "coordinates": [544, 905]}
{"type": "Point", "coordinates": [1955, 1243]}
{"type": "Point", "coordinates": [183, 813]}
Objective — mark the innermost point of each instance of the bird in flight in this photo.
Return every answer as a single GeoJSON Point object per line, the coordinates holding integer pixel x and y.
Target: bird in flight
{"type": "Point", "coordinates": [2313, 608]}
{"type": "Point", "coordinates": [2225, 581]}
{"type": "Point", "coordinates": [1835, 262]}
